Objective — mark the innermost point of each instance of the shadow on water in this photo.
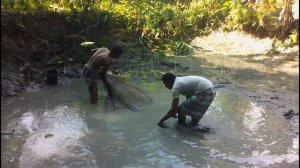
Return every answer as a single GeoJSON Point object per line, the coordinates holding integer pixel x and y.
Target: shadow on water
{"type": "Point", "coordinates": [64, 130]}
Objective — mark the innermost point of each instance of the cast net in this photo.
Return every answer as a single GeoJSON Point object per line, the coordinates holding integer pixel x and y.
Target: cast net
{"type": "Point", "coordinates": [132, 97]}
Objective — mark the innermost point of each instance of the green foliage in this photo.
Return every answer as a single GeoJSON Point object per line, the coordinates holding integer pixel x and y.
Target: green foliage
{"type": "Point", "coordinates": [51, 5]}
{"type": "Point", "coordinates": [180, 48]}
{"type": "Point", "coordinates": [268, 18]}
{"type": "Point", "coordinates": [162, 25]}
{"type": "Point", "coordinates": [83, 58]}
{"type": "Point", "coordinates": [293, 39]}
{"type": "Point", "coordinates": [239, 16]}
{"type": "Point", "coordinates": [103, 41]}
{"type": "Point", "coordinates": [207, 13]}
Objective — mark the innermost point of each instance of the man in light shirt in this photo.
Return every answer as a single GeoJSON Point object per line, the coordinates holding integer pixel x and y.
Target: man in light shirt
{"type": "Point", "coordinates": [199, 93]}
{"type": "Point", "coordinates": [97, 67]}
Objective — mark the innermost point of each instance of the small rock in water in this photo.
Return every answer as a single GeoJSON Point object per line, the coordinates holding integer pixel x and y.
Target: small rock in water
{"type": "Point", "coordinates": [274, 97]}
{"type": "Point", "coordinates": [49, 135]}
{"type": "Point", "coordinates": [290, 112]}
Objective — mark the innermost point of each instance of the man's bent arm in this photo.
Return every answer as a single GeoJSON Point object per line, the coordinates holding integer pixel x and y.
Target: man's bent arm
{"type": "Point", "coordinates": [172, 110]}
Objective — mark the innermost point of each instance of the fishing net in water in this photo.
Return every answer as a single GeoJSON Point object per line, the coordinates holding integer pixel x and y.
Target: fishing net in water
{"type": "Point", "coordinates": [132, 97]}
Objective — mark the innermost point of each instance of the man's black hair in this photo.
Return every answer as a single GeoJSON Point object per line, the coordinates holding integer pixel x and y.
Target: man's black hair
{"type": "Point", "coordinates": [117, 50]}
{"type": "Point", "coordinates": [168, 77]}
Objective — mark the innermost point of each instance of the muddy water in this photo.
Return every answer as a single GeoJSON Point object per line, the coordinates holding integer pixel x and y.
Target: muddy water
{"type": "Point", "coordinates": [57, 127]}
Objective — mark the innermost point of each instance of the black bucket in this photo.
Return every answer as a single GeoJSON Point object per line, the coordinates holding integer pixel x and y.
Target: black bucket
{"type": "Point", "coordinates": [52, 76]}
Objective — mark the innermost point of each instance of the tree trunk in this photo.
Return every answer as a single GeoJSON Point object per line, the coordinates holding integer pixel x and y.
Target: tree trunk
{"type": "Point", "coordinates": [286, 19]}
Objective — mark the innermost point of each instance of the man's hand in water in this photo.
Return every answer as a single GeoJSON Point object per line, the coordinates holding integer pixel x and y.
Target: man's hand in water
{"type": "Point", "coordinates": [162, 124]}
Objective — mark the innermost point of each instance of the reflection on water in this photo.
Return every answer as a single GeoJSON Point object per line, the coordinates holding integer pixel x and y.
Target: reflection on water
{"type": "Point", "coordinates": [59, 139]}
{"type": "Point", "coordinates": [254, 118]}
{"type": "Point", "coordinates": [57, 127]}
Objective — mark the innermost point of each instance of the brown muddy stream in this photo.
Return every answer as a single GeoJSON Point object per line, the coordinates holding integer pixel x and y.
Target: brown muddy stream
{"type": "Point", "coordinates": [57, 127]}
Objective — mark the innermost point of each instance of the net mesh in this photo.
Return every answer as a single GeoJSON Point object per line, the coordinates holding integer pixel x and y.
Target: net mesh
{"type": "Point", "coordinates": [129, 96]}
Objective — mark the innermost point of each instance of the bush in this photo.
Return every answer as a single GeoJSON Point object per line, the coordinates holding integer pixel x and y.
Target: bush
{"type": "Point", "coordinates": [163, 25]}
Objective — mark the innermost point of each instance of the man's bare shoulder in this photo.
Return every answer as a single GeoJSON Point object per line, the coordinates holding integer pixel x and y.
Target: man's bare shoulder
{"type": "Point", "coordinates": [102, 49]}
{"type": "Point", "coordinates": [101, 52]}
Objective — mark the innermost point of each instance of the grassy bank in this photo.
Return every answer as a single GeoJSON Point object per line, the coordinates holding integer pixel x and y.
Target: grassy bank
{"type": "Point", "coordinates": [168, 26]}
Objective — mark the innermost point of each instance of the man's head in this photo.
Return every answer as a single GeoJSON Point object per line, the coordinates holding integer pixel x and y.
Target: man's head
{"type": "Point", "coordinates": [168, 79]}
{"type": "Point", "coordinates": [115, 52]}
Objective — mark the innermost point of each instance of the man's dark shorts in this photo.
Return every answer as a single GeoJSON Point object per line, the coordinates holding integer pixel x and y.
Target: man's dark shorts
{"type": "Point", "coordinates": [91, 76]}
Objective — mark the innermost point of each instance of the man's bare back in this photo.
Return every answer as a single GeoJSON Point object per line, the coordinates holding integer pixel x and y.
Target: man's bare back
{"type": "Point", "coordinates": [100, 58]}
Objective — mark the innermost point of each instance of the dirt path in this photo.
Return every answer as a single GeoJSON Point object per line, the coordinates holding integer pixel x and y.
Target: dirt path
{"type": "Point", "coordinates": [268, 79]}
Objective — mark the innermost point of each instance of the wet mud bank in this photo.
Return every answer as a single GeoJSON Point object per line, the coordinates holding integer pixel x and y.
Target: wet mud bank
{"type": "Point", "coordinates": [14, 79]}
{"type": "Point", "coordinates": [30, 45]}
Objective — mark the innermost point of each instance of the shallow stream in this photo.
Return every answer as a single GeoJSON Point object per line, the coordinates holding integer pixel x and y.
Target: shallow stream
{"type": "Point", "coordinates": [57, 127]}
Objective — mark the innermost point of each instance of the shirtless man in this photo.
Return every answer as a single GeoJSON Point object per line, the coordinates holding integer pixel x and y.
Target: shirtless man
{"type": "Point", "coordinates": [97, 67]}
{"type": "Point", "coordinates": [199, 93]}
